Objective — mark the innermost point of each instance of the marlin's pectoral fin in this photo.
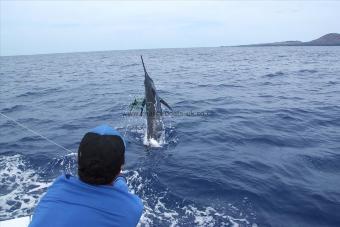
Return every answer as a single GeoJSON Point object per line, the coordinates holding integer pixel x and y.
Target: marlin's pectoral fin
{"type": "Point", "coordinates": [165, 104]}
{"type": "Point", "coordinates": [141, 109]}
{"type": "Point", "coordinates": [133, 104]}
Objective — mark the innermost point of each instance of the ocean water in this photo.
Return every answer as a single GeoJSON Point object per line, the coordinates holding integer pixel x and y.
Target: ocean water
{"type": "Point", "coordinates": [254, 139]}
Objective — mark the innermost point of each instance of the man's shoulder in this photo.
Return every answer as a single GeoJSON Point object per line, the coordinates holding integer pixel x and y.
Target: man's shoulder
{"type": "Point", "coordinates": [67, 190]}
{"type": "Point", "coordinates": [60, 180]}
{"type": "Point", "coordinates": [65, 184]}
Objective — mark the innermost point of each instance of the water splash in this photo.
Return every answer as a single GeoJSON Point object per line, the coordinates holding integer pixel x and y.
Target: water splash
{"type": "Point", "coordinates": [162, 208]}
{"type": "Point", "coordinates": [21, 187]}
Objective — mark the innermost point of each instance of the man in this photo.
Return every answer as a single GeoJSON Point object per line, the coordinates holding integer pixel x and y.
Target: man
{"type": "Point", "coordinates": [100, 196]}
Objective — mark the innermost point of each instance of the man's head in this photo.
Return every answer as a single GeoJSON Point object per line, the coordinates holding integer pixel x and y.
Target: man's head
{"type": "Point", "coordinates": [101, 155]}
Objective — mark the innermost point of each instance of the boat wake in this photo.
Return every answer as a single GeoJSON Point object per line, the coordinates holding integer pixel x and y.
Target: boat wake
{"type": "Point", "coordinates": [23, 186]}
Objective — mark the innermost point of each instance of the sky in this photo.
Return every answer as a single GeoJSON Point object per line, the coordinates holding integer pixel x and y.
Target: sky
{"type": "Point", "coordinates": [37, 27]}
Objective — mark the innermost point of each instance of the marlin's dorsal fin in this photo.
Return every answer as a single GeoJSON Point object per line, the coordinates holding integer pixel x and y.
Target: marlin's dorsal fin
{"type": "Point", "coordinates": [165, 104]}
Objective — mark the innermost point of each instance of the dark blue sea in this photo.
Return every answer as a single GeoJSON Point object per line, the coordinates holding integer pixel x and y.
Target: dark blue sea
{"type": "Point", "coordinates": [254, 139]}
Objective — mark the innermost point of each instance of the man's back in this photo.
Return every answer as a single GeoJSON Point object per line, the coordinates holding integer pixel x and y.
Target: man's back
{"type": "Point", "coordinates": [71, 202]}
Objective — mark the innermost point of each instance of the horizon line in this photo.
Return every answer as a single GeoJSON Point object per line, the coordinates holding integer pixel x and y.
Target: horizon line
{"type": "Point", "coordinates": [87, 51]}
{"type": "Point", "coordinates": [160, 48]}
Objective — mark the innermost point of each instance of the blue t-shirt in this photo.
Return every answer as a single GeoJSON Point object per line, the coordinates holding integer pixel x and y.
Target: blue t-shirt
{"type": "Point", "coordinates": [69, 202]}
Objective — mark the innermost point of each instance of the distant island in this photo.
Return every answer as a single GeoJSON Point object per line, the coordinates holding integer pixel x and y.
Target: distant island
{"type": "Point", "coordinates": [331, 39]}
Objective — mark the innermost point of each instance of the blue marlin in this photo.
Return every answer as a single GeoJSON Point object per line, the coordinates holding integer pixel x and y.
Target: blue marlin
{"type": "Point", "coordinates": [152, 101]}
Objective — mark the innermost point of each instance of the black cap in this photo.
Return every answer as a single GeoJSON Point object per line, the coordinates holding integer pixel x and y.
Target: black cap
{"type": "Point", "coordinates": [101, 154]}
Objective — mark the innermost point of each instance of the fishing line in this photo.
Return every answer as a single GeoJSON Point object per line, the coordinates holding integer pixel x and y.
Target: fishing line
{"type": "Point", "coordinates": [34, 132]}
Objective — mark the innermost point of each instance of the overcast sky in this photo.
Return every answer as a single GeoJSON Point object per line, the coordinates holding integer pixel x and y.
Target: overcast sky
{"type": "Point", "coordinates": [32, 27]}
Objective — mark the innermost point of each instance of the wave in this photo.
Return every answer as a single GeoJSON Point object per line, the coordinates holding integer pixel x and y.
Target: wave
{"type": "Point", "coordinates": [307, 71]}
{"type": "Point", "coordinates": [329, 162]}
{"type": "Point", "coordinates": [21, 187]}
{"type": "Point", "coordinates": [42, 92]}
{"type": "Point", "coordinates": [129, 65]}
{"type": "Point", "coordinates": [13, 109]}
{"type": "Point", "coordinates": [162, 208]}
{"type": "Point", "coordinates": [279, 141]}
{"type": "Point", "coordinates": [276, 74]}
{"type": "Point", "coordinates": [219, 85]}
